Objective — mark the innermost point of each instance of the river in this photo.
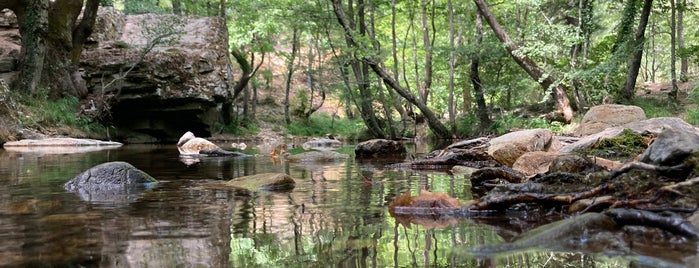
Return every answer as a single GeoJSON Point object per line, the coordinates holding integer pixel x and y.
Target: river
{"type": "Point", "coordinates": [331, 218]}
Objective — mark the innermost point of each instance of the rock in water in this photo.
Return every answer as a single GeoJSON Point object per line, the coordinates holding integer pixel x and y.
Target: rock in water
{"type": "Point", "coordinates": [110, 182]}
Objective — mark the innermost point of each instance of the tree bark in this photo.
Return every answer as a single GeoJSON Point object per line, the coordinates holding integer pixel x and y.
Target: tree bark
{"type": "Point", "coordinates": [290, 74]}
{"type": "Point", "coordinates": [452, 64]}
{"type": "Point", "coordinates": [437, 127]}
{"type": "Point", "coordinates": [564, 111]}
{"type": "Point", "coordinates": [32, 17]}
{"type": "Point", "coordinates": [684, 62]}
{"type": "Point", "coordinates": [673, 52]}
{"type": "Point", "coordinates": [483, 115]}
{"type": "Point", "coordinates": [427, 83]}
{"type": "Point", "coordinates": [634, 62]}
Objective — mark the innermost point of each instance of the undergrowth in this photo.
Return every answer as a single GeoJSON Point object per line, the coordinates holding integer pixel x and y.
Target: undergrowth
{"type": "Point", "coordinates": [42, 112]}
{"type": "Point", "coordinates": [321, 124]}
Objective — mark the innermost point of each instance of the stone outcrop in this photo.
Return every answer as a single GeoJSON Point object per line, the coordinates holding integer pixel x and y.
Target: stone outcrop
{"type": "Point", "coordinates": [175, 87]}
{"type": "Point", "coordinates": [110, 182]}
{"type": "Point", "coordinates": [601, 117]}
{"type": "Point", "coordinates": [671, 147]}
{"type": "Point", "coordinates": [379, 148]}
{"type": "Point", "coordinates": [507, 148]}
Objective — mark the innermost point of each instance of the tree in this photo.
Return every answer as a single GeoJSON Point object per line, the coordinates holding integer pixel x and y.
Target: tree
{"type": "Point", "coordinates": [636, 45]}
{"type": "Point", "coordinates": [483, 115]}
{"type": "Point", "coordinates": [436, 126]}
{"type": "Point", "coordinates": [51, 44]}
{"type": "Point", "coordinates": [564, 112]}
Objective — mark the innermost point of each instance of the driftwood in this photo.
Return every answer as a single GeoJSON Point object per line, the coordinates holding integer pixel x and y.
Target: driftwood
{"type": "Point", "coordinates": [670, 222]}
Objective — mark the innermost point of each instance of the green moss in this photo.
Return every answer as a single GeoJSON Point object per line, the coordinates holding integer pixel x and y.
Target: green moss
{"type": "Point", "coordinates": [624, 146]}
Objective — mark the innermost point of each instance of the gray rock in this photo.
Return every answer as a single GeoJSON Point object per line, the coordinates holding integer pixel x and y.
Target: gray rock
{"type": "Point", "coordinates": [322, 144]}
{"type": "Point", "coordinates": [671, 147]}
{"type": "Point", "coordinates": [379, 148]}
{"type": "Point", "coordinates": [110, 182]}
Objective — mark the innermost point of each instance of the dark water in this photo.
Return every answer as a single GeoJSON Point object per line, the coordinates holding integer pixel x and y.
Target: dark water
{"type": "Point", "coordinates": [331, 219]}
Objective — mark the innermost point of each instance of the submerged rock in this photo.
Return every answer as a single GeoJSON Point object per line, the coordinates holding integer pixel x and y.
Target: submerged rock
{"type": "Point", "coordinates": [110, 182]}
{"type": "Point", "coordinates": [317, 156]}
{"type": "Point", "coordinates": [263, 181]}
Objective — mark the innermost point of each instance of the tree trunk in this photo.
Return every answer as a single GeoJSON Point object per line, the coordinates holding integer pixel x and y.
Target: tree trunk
{"type": "Point", "coordinates": [437, 127]}
{"type": "Point", "coordinates": [483, 115]}
{"type": "Point", "coordinates": [290, 73]}
{"type": "Point", "coordinates": [52, 43]}
{"type": "Point", "coordinates": [394, 52]}
{"type": "Point", "coordinates": [176, 7]}
{"type": "Point", "coordinates": [427, 83]}
{"type": "Point", "coordinates": [452, 63]}
{"type": "Point", "coordinates": [33, 32]}
{"type": "Point", "coordinates": [564, 112]}
{"type": "Point", "coordinates": [673, 53]}
{"type": "Point", "coordinates": [634, 62]}
{"type": "Point", "coordinates": [684, 62]}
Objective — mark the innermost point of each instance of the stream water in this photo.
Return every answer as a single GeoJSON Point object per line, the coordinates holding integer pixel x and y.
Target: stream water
{"type": "Point", "coordinates": [331, 218]}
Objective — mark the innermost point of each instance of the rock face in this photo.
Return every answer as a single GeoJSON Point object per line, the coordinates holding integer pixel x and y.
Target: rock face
{"type": "Point", "coordinates": [379, 148]}
{"type": "Point", "coordinates": [601, 117]}
{"type": "Point", "coordinates": [110, 182]}
{"type": "Point", "coordinates": [174, 88]}
{"type": "Point", "coordinates": [507, 148]}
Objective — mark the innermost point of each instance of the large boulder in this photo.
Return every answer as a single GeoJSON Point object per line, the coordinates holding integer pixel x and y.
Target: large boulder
{"type": "Point", "coordinates": [189, 144]}
{"type": "Point", "coordinates": [379, 148]}
{"type": "Point", "coordinates": [601, 117]}
{"type": "Point", "coordinates": [177, 86]}
{"type": "Point", "coordinates": [507, 148]}
{"type": "Point", "coordinates": [110, 182]}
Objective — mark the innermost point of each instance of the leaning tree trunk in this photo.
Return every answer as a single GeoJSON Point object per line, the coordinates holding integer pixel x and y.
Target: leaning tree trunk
{"type": "Point", "coordinates": [634, 62]}
{"type": "Point", "coordinates": [564, 111]}
{"type": "Point", "coordinates": [435, 125]}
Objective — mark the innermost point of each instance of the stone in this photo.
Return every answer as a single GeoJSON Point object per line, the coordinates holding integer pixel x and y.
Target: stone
{"type": "Point", "coordinates": [263, 181]}
{"type": "Point", "coordinates": [601, 117]}
{"type": "Point", "coordinates": [322, 144]}
{"type": "Point", "coordinates": [671, 147]}
{"type": "Point", "coordinates": [191, 145]}
{"type": "Point", "coordinates": [649, 126]}
{"type": "Point", "coordinates": [532, 163]}
{"type": "Point", "coordinates": [59, 145]}
{"type": "Point", "coordinates": [507, 148]}
{"type": "Point", "coordinates": [178, 86]}
{"type": "Point", "coordinates": [317, 156]}
{"type": "Point", "coordinates": [379, 148]}
{"type": "Point", "coordinates": [110, 182]}
{"type": "Point", "coordinates": [571, 163]}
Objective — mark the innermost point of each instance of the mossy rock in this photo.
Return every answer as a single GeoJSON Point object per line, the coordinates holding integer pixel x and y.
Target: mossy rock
{"type": "Point", "coordinates": [625, 146]}
{"type": "Point", "coordinates": [263, 181]}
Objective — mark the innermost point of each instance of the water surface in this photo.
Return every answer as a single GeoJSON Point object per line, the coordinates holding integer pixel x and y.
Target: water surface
{"type": "Point", "coordinates": [331, 218]}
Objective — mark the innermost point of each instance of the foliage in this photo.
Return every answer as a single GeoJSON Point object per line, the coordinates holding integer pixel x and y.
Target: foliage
{"type": "Point", "coordinates": [237, 127]}
{"type": "Point", "coordinates": [42, 112]}
{"type": "Point", "coordinates": [656, 107]}
{"type": "Point", "coordinates": [510, 121]}
{"type": "Point", "coordinates": [321, 124]}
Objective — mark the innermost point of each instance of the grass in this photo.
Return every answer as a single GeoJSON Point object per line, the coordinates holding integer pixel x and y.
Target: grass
{"type": "Point", "coordinates": [38, 113]}
{"type": "Point", "coordinates": [321, 124]}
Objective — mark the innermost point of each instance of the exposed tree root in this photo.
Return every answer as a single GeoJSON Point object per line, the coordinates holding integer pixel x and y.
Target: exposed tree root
{"type": "Point", "coordinates": [670, 222]}
{"type": "Point", "coordinates": [507, 200]}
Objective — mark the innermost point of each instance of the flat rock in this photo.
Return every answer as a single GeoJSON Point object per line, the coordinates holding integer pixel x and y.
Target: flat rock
{"type": "Point", "coordinates": [59, 145]}
{"type": "Point", "coordinates": [263, 181]}
{"type": "Point", "coordinates": [317, 156]}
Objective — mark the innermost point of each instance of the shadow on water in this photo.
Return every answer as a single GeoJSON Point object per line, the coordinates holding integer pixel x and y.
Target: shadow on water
{"type": "Point", "coordinates": [331, 218]}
